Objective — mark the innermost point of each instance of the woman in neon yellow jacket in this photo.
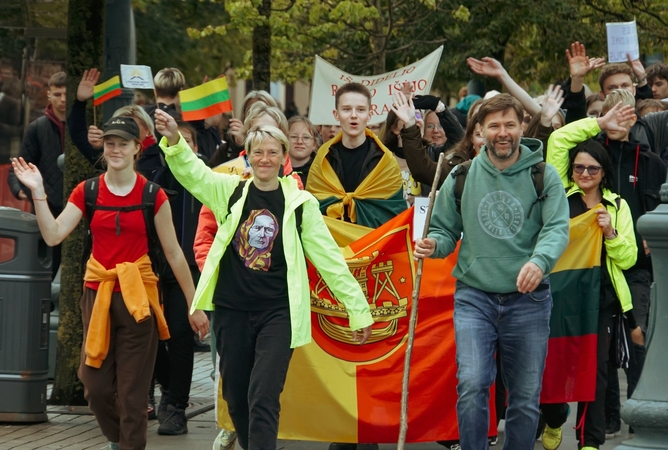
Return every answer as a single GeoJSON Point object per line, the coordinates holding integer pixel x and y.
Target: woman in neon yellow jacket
{"type": "Point", "coordinates": [585, 170]}
{"type": "Point", "coordinates": [255, 279]}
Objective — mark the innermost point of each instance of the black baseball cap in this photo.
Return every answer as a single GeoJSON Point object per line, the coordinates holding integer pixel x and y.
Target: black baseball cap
{"type": "Point", "coordinates": [121, 126]}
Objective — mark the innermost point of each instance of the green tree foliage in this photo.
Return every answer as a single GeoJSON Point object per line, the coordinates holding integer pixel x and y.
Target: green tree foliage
{"type": "Point", "coordinates": [163, 39]}
{"type": "Point", "coordinates": [374, 36]}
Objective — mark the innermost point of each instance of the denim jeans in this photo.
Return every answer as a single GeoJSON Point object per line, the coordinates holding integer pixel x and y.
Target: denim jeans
{"type": "Point", "coordinates": [520, 325]}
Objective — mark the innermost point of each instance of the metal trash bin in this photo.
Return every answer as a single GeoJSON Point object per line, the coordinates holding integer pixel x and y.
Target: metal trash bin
{"type": "Point", "coordinates": [25, 303]}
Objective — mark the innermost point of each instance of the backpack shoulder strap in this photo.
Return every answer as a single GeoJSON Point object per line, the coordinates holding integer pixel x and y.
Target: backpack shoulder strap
{"type": "Point", "coordinates": [148, 198]}
{"type": "Point", "coordinates": [90, 196]}
{"type": "Point", "coordinates": [538, 177]}
{"type": "Point", "coordinates": [236, 195]}
{"type": "Point", "coordinates": [460, 180]}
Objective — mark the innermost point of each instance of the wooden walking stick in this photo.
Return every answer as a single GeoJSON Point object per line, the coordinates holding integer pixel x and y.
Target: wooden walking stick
{"type": "Point", "coordinates": [403, 424]}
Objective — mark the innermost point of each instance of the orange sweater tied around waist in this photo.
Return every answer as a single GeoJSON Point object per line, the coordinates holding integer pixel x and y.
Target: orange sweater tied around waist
{"type": "Point", "coordinates": [139, 287]}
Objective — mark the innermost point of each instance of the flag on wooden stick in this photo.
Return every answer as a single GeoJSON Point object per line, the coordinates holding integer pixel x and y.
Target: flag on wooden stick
{"type": "Point", "coordinates": [205, 100]}
{"type": "Point", "coordinates": [109, 89]}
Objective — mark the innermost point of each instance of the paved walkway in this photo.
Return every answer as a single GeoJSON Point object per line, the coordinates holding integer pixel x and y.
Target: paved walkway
{"type": "Point", "coordinates": [76, 429]}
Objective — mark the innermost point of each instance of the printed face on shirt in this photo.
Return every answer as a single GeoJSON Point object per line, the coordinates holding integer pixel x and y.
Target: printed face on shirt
{"type": "Point", "coordinates": [352, 113]}
{"type": "Point", "coordinates": [262, 232]}
{"type": "Point", "coordinates": [254, 240]}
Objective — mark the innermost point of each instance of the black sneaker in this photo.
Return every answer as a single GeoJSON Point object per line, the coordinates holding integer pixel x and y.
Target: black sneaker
{"type": "Point", "coordinates": [613, 430]}
{"type": "Point", "coordinates": [176, 422]}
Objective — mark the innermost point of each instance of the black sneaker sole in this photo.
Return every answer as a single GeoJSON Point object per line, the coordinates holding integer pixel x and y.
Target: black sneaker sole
{"type": "Point", "coordinates": [172, 432]}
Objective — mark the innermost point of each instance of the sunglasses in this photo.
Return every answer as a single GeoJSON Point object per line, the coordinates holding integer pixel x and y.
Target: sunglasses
{"type": "Point", "coordinates": [592, 170]}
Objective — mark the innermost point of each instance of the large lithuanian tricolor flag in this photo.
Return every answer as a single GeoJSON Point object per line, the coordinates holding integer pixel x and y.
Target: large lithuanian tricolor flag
{"type": "Point", "coordinates": [205, 100]}
{"type": "Point", "coordinates": [337, 391]}
{"type": "Point", "coordinates": [570, 370]}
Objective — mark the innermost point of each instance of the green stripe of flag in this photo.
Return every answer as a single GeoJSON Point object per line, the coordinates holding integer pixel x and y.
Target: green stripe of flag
{"type": "Point", "coordinates": [205, 102]}
{"type": "Point", "coordinates": [576, 302]}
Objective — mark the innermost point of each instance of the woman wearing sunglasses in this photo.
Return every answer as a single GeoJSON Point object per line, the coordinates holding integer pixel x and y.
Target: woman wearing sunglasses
{"type": "Point", "coordinates": [589, 185]}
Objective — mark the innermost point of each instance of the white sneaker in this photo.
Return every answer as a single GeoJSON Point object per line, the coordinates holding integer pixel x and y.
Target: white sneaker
{"type": "Point", "coordinates": [111, 446]}
{"type": "Point", "coordinates": [225, 440]}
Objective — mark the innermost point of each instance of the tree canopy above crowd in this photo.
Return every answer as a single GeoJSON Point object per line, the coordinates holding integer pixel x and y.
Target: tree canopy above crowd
{"type": "Point", "coordinates": [374, 36]}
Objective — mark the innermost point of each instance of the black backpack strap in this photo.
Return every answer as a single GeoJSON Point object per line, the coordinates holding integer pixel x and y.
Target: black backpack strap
{"type": "Point", "coordinates": [236, 195]}
{"type": "Point", "coordinates": [148, 201]}
{"type": "Point", "coordinates": [538, 178]}
{"type": "Point", "coordinates": [91, 187]}
{"type": "Point", "coordinates": [460, 180]}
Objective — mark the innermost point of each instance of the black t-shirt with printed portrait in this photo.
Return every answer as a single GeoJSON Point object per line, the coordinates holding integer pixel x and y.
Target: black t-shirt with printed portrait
{"type": "Point", "coordinates": [253, 271]}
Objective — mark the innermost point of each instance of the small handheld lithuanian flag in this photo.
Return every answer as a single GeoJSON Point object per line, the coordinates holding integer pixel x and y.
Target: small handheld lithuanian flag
{"type": "Point", "coordinates": [109, 89]}
{"type": "Point", "coordinates": [206, 100]}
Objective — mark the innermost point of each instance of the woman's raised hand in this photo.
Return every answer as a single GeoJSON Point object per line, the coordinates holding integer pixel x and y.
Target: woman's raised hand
{"type": "Point", "coordinates": [403, 108]}
{"type": "Point", "coordinates": [28, 174]}
{"type": "Point", "coordinates": [166, 125]}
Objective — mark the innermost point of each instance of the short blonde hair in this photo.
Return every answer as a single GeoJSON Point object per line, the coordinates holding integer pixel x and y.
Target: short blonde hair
{"type": "Point", "coordinates": [616, 96]}
{"type": "Point", "coordinates": [168, 82]}
{"type": "Point", "coordinates": [257, 135]}
{"type": "Point", "coordinates": [259, 109]}
{"type": "Point", "coordinates": [138, 113]}
{"type": "Point", "coordinates": [262, 96]}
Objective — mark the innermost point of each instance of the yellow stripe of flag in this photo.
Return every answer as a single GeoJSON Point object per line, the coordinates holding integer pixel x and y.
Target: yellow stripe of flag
{"type": "Point", "coordinates": [204, 90]}
{"type": "Point", "coordinates": [111, 82]}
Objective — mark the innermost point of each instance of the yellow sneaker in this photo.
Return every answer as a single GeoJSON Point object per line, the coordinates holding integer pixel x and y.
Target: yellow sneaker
{"type": "Point", "coordinates": [551, 438]}
{"type": "Point", "coordinates": [588, 448]}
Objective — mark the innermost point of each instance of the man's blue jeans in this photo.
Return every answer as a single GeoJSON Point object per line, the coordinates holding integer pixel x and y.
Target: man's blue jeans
{"type": "Point", "coordinates": [520, 325]}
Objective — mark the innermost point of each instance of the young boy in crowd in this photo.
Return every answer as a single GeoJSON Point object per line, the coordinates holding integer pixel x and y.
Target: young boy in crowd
{"type": "Point", "coordinates": [354, 170]}
{"type": "Point", "coordinates": [657, 78]}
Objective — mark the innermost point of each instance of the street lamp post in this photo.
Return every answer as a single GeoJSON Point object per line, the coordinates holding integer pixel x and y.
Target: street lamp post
{"type": "Point", "coordinates": [647, 409]}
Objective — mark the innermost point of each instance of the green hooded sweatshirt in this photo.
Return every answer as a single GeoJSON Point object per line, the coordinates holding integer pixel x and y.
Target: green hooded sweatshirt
{"type": "Point", "coordinates": [504, 225]}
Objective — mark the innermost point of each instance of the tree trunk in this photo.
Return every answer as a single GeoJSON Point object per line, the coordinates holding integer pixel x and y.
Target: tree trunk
{"type": "Point", "coordinates": [262, 49]}
{"type": "Point", "coordinates": [85, 46]}
{"type": "Point", "coordinates": [379, 43]}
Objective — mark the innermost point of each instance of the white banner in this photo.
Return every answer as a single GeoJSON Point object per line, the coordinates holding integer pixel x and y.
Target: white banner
{"type": "Point", "coordinates": [327, 79]}
{"type": "Point", "coordinates": [136, 77]}
{"type": "Point", "coordinates": [622, 39]}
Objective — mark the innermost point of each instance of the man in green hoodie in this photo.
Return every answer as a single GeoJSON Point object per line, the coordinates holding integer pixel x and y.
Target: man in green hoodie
{"type": "Point", "coordinates": [511, 241]}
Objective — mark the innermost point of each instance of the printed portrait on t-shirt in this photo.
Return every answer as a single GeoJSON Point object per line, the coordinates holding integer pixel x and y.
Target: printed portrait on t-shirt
{"type": "Point", "coordinates": [254, 239]}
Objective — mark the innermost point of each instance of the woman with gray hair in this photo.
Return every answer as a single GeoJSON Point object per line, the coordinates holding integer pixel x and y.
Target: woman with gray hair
{"type": "Point", "coordinates": [255, 278]}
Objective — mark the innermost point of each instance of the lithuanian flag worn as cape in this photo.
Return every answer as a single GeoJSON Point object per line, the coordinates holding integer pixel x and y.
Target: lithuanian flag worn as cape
{"type": "Point", "coordinates": [338, 391]}
{"type": "Point", "coordinates": [377, 199]}
{"type": "Point", "coordinates": [570, 369]}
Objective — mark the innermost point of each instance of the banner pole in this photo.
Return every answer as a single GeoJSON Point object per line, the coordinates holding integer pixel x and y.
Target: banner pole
{"type": "Point", "coordinates": [403, 424]}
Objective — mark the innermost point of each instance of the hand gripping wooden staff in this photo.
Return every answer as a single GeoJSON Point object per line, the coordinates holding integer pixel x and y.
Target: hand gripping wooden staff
{"type": "Point", "coordinates": [403, 424]}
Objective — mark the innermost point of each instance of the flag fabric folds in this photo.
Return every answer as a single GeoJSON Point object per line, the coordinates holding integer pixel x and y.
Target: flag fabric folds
{"type": "Point", "coordinates": [205, 100]}
{"type": "Point", "coordinates": [109, 89]}
{"type": "Point", "coordinates": [378, 198]}
{"type": "Point", "coordinates": [338, 391]}
{"type": "Point", "coordinates": [570, 369]}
